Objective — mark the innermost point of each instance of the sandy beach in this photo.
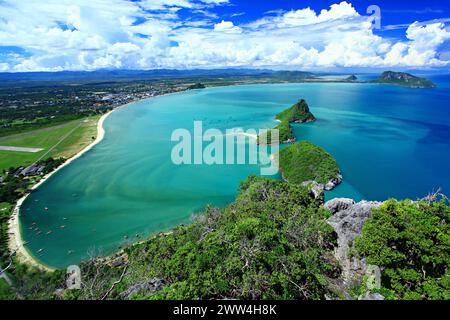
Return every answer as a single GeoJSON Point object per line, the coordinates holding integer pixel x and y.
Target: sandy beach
{"type": "Point", "coordinates": [16, 243]}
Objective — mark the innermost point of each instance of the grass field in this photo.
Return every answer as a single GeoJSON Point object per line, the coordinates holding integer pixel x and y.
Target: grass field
{"type": "Point", "coordinates": [59, 141]}
{"type": "Point", "coordinates": [4, 206]}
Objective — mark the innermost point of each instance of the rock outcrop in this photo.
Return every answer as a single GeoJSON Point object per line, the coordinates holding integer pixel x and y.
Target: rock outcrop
{"type": "Point", "coordinates": [372, 296]}
{"type": "Point", "coordinates": [152, 285]}
{"type": "Point", "coordinates": [339, 204]}
{"type": "Point", "coordinates": [333, 183]}
{"type": "Point", "coordinates": [318, 189]}
{"type": "Point", "coordinates": [347, 221]}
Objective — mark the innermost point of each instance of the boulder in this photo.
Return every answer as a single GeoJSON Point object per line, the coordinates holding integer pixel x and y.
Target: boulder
{"type": "Point", "coordinates": [339, 204]}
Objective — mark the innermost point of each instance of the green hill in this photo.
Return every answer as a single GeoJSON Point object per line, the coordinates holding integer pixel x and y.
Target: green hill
{"type": "Point", "coordinates": [405, 80]}
{"type": "Point", "coordinates": [298, 113]}
{"type": "Point", "coordinates": [303, 161]}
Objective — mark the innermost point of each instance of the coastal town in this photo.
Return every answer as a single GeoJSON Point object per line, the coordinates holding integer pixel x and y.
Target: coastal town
{"type": "Point", "coordinates": [44, 105]}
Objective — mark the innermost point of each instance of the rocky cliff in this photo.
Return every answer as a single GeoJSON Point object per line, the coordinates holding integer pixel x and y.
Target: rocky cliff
{"type": "Point", "coordinates": [347, 221]}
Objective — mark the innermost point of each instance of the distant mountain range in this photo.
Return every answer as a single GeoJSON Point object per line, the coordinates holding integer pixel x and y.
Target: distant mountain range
{"type": "Point", "coordinates": [103, 75]}
{"type": "Point", "coordinates": [106, 76]}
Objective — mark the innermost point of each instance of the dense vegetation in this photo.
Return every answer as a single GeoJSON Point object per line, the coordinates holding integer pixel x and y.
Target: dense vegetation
{"type": "Point", "coordinates": [197, 86]}
{"type": "Point", "coordinates": [5, 213]}
{"type": "Point", "coordinates": [32, 284]}
{"type": "Point", "coordinates": [285, 134]}
{"type": "Point", "coordinates": [298, 113]}
{"type": "Point", "coordinates": [303, 161]}
{"type": "Point", "coordinates": [410, 241]}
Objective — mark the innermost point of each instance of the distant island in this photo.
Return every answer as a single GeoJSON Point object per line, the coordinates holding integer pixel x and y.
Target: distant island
{"type": "Point", "coordinates": [352, 78]}
{"type": "Point", "coordinates": [404, 79]}
{"type": "Point", "coordinates": [298, 113]}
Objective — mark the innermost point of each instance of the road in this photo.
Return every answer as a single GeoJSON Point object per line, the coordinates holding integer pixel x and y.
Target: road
{"type": "Point", "coordinates": [3, 274]}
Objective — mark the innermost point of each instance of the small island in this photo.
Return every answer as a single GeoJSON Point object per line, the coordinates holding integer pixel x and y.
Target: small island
{"type": "Point", "coordinates": [352, 78]}
{"type": "Point", "coordinates": [404, 79]}
{"type": "Point", "coordinates": [298, 113]}
{"type": "Point", "coordinates": [309, 165]}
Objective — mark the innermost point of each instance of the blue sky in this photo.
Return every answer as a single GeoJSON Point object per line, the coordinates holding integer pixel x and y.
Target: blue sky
{"type": "Point", "coordinates": [56, 35]}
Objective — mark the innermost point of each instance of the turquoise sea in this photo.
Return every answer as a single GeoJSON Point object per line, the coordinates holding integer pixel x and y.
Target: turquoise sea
{"type": "Point", "coordinates": [389, 142]}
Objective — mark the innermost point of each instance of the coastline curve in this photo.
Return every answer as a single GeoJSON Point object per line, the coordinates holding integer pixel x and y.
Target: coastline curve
{"type": "Point", "coordinates": [15, 242]}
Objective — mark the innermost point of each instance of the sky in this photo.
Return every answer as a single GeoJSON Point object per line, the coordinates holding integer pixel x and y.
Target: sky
{"type": "Point", "coordinates": [74, 35]}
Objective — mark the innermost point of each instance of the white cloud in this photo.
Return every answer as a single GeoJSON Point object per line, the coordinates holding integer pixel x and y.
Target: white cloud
{"type": "Point", "coordinates": [227, 27]}
{"type": "Point", "coordinates": [92, 34]}
{"type": "Point", "coordinates": [4, 67]}
{"type": "Point", "coordinates": [422, 48]}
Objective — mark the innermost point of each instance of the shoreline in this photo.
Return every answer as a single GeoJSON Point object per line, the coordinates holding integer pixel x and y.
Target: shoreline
{"type": "Point", "coordinates": [16, 243]}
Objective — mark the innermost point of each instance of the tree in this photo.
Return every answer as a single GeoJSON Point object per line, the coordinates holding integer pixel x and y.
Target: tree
{"type": "Point", "coordinates": [410, 241]}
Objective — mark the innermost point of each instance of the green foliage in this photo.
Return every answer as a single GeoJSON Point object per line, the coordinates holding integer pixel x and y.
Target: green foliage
{"type": "Point", "coordinates": [285, 134]}
{"type": "Point", "coordinates": [303, 161]}
{"type": "Point", "coordinates": [4, 218]}
{"type": "Point", "coordinates": [410, 241]}
{"type": "Point", "coordinates": [198, 85]}
{"type": "Point", "coordinates": [6, 293]}
{"type": "Point", "coordinates": [299, 112]}
{"type": "Point", "coordinates": [12, 188]}
{"type": "Point", "coordinates": [51, 164]}
{"type": "Point", "coordinates": [272, 243]}
{"type": "Point", "coordinates": [33, 284]}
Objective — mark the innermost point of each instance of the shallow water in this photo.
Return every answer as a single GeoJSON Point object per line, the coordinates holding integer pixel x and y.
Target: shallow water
{"type": "Point", "coordinates": [389, 142]}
